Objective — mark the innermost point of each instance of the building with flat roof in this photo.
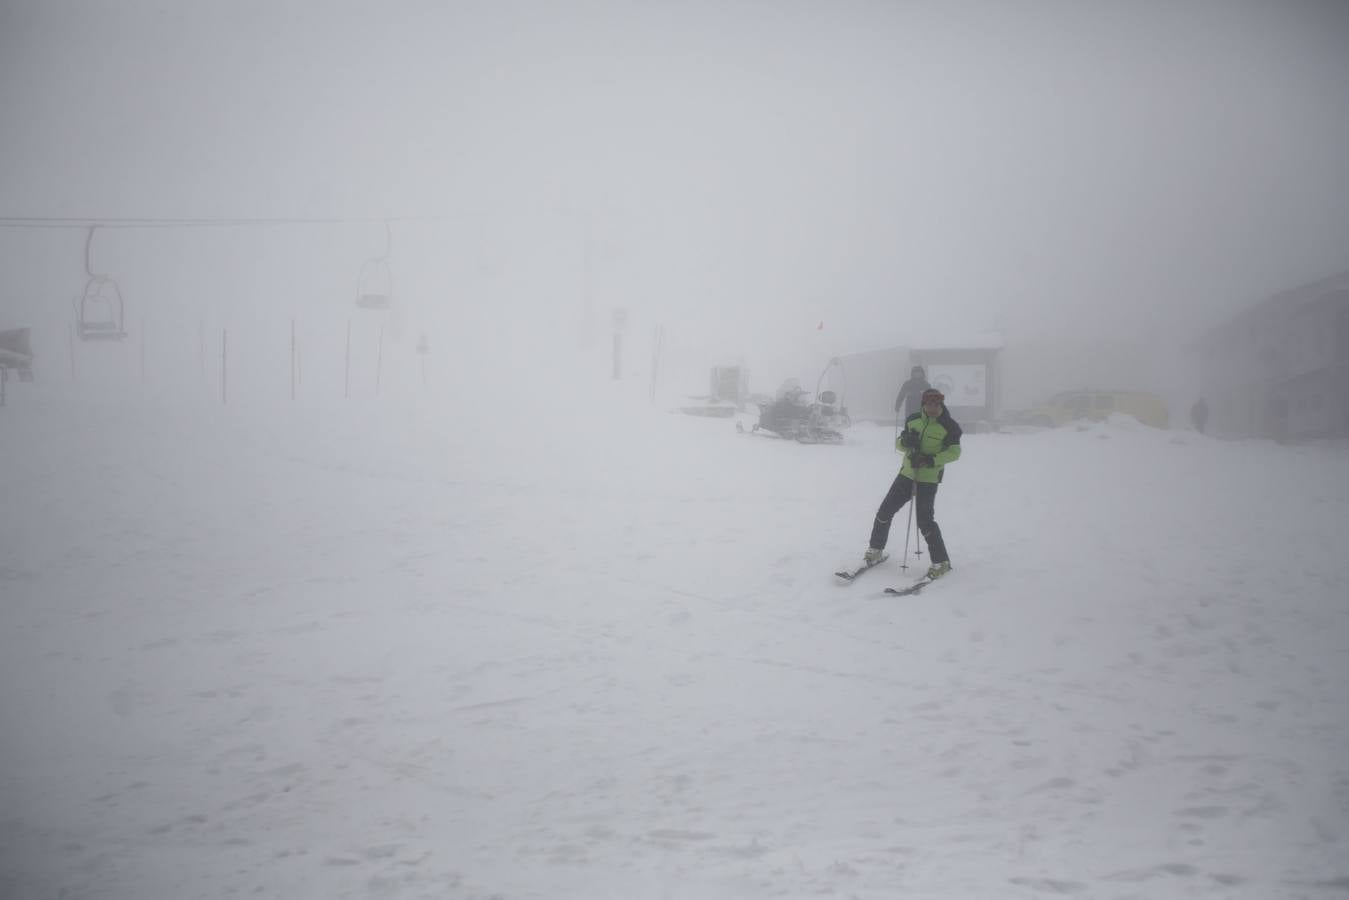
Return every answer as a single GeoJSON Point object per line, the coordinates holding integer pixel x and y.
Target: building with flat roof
{"type": "Point", "coordinates": [1281, 369]}
{"type": "Point", "coordinates": [966, 369]}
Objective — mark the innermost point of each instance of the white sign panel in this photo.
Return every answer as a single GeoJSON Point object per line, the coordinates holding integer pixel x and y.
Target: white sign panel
{"type": "Point", "coordinates": [963, 385]}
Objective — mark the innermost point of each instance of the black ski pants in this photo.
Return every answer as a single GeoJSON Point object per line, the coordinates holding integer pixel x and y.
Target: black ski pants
{"type": "Point", "coordinates": [894, 501]}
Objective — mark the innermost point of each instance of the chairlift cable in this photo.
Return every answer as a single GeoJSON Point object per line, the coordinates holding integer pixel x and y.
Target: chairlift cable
{"type": "Point", "coordinates": [165, 222]}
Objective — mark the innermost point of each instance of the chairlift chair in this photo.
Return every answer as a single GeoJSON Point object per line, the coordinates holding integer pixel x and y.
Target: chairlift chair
{"type": "Point", "coordinates": [375, 287]}
{"type": "Point", "coordinates": [16, 352]}
{"type": "Point", "coordinates": [100, 311]}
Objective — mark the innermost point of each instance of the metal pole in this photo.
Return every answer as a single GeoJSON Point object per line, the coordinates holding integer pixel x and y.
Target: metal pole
{"type": "Point", "coordinates": [70, 335]}
{"type": "Point", "coordinates": [346, 386]}
{"type": "Point", "coordinates": [292, 359]}
{"type": "Point", "coordinates": [379, 360]}
{"type": "Point", "coordinates": [658, 341]}
{"type": "Point", "coordinates": [142, 349]}
{"type": "Point", "coordinates": [224, 363]}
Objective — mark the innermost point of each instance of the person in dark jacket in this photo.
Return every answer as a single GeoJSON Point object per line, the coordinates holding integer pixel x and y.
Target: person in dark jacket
{"type": "Point", "coordinates": [912, 390]}
{"type": "Point", "coordinates": [1199, 415]}
{"type": "Point", "coordinates": [930, 441]}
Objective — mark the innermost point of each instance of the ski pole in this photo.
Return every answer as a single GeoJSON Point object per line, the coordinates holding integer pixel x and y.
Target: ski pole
{"type": "Point", "coordinates": [917, 532]}
{"type": "Point", "coordinates": [913, 498]}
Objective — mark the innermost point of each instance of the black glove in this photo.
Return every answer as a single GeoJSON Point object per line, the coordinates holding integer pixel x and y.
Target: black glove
{"type": "Point", "coordinates": [922, 460]}
{"type": "Point", "coordinates": [909, 439]}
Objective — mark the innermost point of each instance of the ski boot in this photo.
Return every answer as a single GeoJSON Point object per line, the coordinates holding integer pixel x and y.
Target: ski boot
{"type": "Point", "coordinates": [937, 570]}
{"type": "Point", "coordinates": [873, 556]}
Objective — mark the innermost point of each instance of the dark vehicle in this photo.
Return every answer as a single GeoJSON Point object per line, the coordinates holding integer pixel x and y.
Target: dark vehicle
{"type": "Point", "coordinates": [794, 416]}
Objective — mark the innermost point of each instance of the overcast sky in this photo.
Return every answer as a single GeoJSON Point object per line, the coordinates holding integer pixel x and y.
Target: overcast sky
{"type": "Point", "coordinates": [888, 168]}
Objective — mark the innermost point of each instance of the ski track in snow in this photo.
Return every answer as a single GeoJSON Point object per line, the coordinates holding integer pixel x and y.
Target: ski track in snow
{"type": "Point", "coordinates": [372, 656]}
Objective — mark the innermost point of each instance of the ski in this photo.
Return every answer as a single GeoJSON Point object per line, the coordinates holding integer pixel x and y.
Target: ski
{"type": "Point", "coordinates": [850, 574]}
{"type": "Point", "coordinates": [911, 589]}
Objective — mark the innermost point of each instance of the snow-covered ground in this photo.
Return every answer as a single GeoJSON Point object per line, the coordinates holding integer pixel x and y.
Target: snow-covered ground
{"type": "Point", "coordinates": [439, 649]}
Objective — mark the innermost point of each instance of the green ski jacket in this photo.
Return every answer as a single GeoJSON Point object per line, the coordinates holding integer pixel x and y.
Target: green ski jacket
{"type": "Point", "coordinates": [938, 438]}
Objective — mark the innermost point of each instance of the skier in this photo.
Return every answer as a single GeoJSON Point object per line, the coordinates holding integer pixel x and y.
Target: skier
{"type": "Point", "coordinates": [1199, 415]}
{"type": "Point", "coordinates": [912, 390]}
{"type": "Point", "coordinates": [931, 439]}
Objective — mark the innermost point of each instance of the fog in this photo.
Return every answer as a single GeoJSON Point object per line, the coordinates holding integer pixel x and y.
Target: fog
{"type": "Point", "coordinates": [368, 562]}
{"type": "Point", "coordinates": [741, 174]}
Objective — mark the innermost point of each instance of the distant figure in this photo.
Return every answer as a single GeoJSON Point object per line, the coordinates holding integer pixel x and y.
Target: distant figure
{"type": "Point", "coordinates": [1199, 415]}
{"type": "Point", "coordinates": [912, 391]}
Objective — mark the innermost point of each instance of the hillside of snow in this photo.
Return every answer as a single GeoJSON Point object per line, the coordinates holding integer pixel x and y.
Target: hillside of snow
{"type": "Point", "coordinates": [440, 648]}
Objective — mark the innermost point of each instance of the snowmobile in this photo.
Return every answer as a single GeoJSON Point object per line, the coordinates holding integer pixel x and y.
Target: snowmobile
{"type": "Point", "coordinates": [793, 417]}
